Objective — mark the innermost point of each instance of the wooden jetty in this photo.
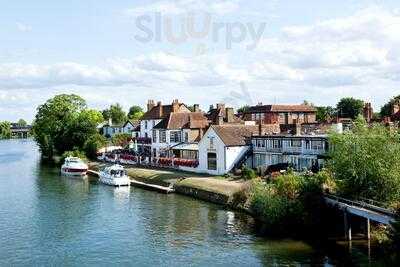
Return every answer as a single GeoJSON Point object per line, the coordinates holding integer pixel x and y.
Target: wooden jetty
{"type": "Point", "coordinates": [361, 209]}
{"type": "Point", "coordinates": [152, 187]}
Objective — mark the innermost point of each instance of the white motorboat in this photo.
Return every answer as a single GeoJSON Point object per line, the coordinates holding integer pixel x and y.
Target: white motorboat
{"type": "Point", "coordinates": [114, 175]}
{"type": "Point", "coordinates": [74, 166]}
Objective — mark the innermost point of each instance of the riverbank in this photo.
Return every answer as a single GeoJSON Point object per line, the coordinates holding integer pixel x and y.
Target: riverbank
{"type": "Point", "coordinates": [215, 189]}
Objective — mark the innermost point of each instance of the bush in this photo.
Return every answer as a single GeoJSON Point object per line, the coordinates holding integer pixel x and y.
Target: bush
{"type": "Point", "coordinates": [248, 173]}
{"type": "Point", "coordinates": [290, 203]}
{"type": "Point", "coordinates": [93, 144]}
{"type": "Point", "coordinates": [121, 139]}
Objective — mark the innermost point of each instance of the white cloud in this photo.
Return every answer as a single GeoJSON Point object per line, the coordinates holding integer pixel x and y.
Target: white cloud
{"type": "Point", "coordinates": [144, 71]}
{"type": "Point", "coordinates": [345, 51]}
{"type": "Point", "coordinates": [22, 27]}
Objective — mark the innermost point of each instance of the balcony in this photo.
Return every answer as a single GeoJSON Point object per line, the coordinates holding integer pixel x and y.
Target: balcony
{"type": "Point", "coordinates": [143, 140]}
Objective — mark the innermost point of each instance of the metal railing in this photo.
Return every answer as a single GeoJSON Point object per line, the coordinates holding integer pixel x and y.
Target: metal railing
{"type": "Point", "coordinates": [363, 204]}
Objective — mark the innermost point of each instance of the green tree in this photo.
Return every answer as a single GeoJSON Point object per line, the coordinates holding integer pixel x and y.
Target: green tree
{"type": "Point", "coordinates": [116, 113]}
{"type": "Point", "coordinates": [365, 162]}
{"type": "Point", "coordinates": [22, 123]}
{"type": "Point", "coordinates": [5, 130]}
{"type": "Point", "coordinates": [325, 113]}
{"type": "Point", "coordinates": [135, 112]}
{"type": "Point", "coordinates": [349, 107]}
{"type": "Point", "coordinates": [386, 110]}
{"type": "Point", "coordinates": [93, 144]}
{"type": "Point", "coordinates": [64, 123]}
{"type": "Point", "coordinates": [121, 139]}
{"type": "Point", "coordinates": [243, 109]}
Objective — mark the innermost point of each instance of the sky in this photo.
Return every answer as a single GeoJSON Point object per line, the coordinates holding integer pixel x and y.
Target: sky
{"type": "Point", "coordinates": [240, 52]}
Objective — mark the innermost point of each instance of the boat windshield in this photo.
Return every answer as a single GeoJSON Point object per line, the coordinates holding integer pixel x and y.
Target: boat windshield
{"type": "Point", "coordinates": [117, 173]}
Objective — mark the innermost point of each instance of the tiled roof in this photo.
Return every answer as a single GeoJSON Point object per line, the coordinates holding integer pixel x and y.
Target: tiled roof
{"type": "Point", "coordinates": [235, 135]}
{"type": "Point", "coordinates": [281, 108]}
{"type": "Point", "coordinates": [179, 120]}
{"type": "Point", "coordinates": [154, 113]}
{"type": "Point", "coordinates": [396, 116]}
{"type": "Point", "coordinates": [213, 115]}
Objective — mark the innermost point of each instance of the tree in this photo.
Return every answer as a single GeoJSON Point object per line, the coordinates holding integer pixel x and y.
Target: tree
{"type": "Point", "coordinates": [325, 113]}
{"type": "Point", "coordinates": [365, 162]}
{"type": "Point", "coordinates": [93, 144]}
{"type": "Point", "coordinates": [64, 123]}
{"type": "Point", "coordinates": [121, 139]}
{"type": "Point", "coordinates": [135, 112]}
{"type": "Point", "coordinates": [5, 130]}
{"type": "Point", "coordinates": [307, 103]}
{"type": "Point", "coordinates": [243, 109]}
{"type": "Point", "coordinates": [22, 123]}
{"type": "Point", "coordinates": [349, 107]}
{"type": "Point", "coordinates": [386, 110]}
{"type": "Point", "coordinates": [116, 113]}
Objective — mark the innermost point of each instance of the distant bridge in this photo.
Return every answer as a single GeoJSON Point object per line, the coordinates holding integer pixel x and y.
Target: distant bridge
{"type": "Point", "coordinates": [361, 209]}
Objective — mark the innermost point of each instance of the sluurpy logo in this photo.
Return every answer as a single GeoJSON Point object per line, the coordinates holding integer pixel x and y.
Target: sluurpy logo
{"type": "Point", "coordinates": [158, 27]}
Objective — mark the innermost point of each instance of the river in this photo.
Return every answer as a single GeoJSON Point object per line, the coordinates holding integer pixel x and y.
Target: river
{"type": "Point", "coordinates": [48, 220]}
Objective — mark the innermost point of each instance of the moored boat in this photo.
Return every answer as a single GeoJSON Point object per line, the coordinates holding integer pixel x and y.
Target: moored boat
{"type": "Point", "coordinates": [74, 166]}
{"type": "Point", "coordinates": [114, 175]}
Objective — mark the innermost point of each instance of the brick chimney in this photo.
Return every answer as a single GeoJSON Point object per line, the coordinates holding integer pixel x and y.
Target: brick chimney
{"type": "Point", "coordinates": [175, 105]}
{"type": "Point", "coordinates": [150, 104]}
{"type": "Point", "coordinates": [196, 108]}
{"type": "Point", "coordinates": [368, 112]}
{"type": "Point", "coordinates": [160, 109]}
{"type": "Point", "coordinates": [229, 115]}
{"type": "Point", "coordinates": [220, 106]}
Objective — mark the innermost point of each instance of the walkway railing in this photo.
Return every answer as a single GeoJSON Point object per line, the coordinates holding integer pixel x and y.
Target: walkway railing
{"type": "Point", "coordinates": [364, 203]}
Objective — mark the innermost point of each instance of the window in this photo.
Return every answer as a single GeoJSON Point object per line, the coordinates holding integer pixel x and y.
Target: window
{"type": "Point", "coordinates": [317, 145]}
{"type": "Point", "coordinates": [277, 144]}
{"type": "Point", "coordinates": [175, 137]}
{"type": "Point", "coordinates": [154, 136]}
{"type": "Point", "coordinates": [212, 161]}
{"type": "Point", "coordinates": [212, 142]}
{"type": "Point", "coordinates": [163, 136]}
{"type": "Point", "coordinates": [186, 137]}
{"type": "Point", "coordinates": [295, 143]}
{"type": "Point", "coordinates": [259, 160]}
{"type": "Point", "coordinates": [145, 124]}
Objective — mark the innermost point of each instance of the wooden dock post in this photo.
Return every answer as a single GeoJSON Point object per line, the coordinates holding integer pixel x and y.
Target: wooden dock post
{"type": "Point", "coordinates": [368, 229]}
{"type": "Point", "coordinates": [347, 225]}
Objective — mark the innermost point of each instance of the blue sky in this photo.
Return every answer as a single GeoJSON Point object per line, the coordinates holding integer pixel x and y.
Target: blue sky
{"type": "Point", "coordinates": [314, 50]}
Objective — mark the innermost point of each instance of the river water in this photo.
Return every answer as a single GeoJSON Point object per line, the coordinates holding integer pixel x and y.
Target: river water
{"type": "Point", "coordinates": [48, 220]}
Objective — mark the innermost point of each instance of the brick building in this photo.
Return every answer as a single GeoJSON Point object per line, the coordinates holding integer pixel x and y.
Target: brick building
{"type": "Point", "coordinates": [282, 114]}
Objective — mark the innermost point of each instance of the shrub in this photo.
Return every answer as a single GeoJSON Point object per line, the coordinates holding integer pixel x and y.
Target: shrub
{"type": "Point", "coordinates": [248, 173]}
{"type": "Point", "coordinates": [93, 144]}
{"type": "Point", "coordinates": [290, 203]}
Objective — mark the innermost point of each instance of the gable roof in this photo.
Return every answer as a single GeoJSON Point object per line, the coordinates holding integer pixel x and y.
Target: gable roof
{"type": "Point", "coordinates": [235, 135]}
{"type": "Point", "coordinates": [133, 123]}
{"type": "Point", "coordinates": [154, 113]}
{"type": "Point", "coordinates": [180, 120]}
{"type": "Point", "coordinates": [280, 108]}
{"type": "Point", "coordinates": [214, 113]}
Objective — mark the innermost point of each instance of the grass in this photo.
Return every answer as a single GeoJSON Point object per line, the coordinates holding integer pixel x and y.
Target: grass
{"type": "Point", "coordinates": [219, 186]}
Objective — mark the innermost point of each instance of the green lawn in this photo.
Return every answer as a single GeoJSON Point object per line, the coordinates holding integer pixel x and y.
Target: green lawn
{"type": "Point", "coordinates": [219, 186]}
